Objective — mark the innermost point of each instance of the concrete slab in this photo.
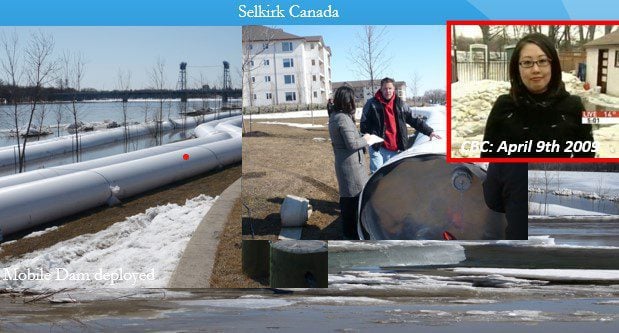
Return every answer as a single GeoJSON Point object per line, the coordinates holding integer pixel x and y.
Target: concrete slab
{"type": "Point", "coordinates": [196, 265]}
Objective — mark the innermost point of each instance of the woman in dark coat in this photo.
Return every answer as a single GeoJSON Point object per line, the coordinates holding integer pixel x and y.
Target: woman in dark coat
{"type": "Point", "coordinates": [348, 146]}
{"type": "Point", "coordinates": [538, 114]}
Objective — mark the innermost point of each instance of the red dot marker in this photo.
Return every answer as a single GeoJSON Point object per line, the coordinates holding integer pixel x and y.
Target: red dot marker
{"type": "Point", "coordinates": [185, 157]}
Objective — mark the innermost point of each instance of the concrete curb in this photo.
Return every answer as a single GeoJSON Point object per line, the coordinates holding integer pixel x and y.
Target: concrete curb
{"type": "Point", "coordinates": [196, 265]}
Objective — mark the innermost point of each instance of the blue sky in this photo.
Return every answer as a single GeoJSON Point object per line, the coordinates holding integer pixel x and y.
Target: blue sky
{"type": "Point", "coordinates": [419, 48]}
{"type": "Point", "coordinates": [108, 49]}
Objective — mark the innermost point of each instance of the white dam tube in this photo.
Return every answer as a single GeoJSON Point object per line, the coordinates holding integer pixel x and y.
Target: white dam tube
{"type": "Point", "coordinates": [26, 205]}
{"type": "Point", "coordinates": [137, 176]}
{"type": "Point", "coordinates": [214, 134]}
{"type": "Point", "coordinates": [66, 144]}
{"type": "Point", "coordinates": [232, 126]}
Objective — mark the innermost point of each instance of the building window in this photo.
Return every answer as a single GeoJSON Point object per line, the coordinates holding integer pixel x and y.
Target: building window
{"type": "Point", "coordinates": [287, 46]}
{"type": "Point", "coordinates": [616, 58]}
{"type": "Point", "coordinates": [269, 96]}
{"type": "Point", "coordinates": [265, 46]}
{"type": "Point", "coordinates": [288, 62]}
{"type": "Point", "coordinates": [253, 79]}
{"type": "Point", "coordinates": [313, 62]}
{"type": "Point", "coordinates": [291, 96]}
{"type": "Point", "coordinates": [250, 46]}
{"type": "Point", "coordinates": [288, 79]}
{"type": "Point", "coordinates": [312, 46]}
{"type": "Point", "coordinates": [267, 78]}
{"type": "Point", "coordinates": [251, 63]}
{"type": "Point", "coordinates": [314, 78]}
{"type": "Point", "coordinates": [266, 62]}
{"type": "Point", "coordinates": [255, 97]}
{"type": "Point", "coordinates": [315, 94]}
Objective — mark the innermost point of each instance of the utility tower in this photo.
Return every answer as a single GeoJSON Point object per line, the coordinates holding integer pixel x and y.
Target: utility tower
{"type": "Point", "coordinates": [227, 81]}
{"type": "Point", "coordinates": [182, 81]}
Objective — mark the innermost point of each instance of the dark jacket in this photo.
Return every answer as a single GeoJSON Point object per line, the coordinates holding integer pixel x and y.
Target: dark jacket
{"type": "Point", "coordinates": [373, 121]}
{"type": "Point", "coordinates": [538, 118]}
{"type": "Point", "coordinates": [505, 191]}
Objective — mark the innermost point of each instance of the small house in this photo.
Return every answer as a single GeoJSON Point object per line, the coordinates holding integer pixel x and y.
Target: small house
{"type": "Point", "coordinates": [603, 63]}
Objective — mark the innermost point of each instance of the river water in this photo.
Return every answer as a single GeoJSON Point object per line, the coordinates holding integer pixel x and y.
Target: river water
{"type": "Point", "coordinates": [138, 111]}
{"type": "Point", "coordinates": [99, 112]}
{"type": "Point", "coordinates": [597, 205]}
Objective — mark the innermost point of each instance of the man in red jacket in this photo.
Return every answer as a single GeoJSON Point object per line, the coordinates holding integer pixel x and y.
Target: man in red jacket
{"type": "Point", "coordinates": [386, 115]}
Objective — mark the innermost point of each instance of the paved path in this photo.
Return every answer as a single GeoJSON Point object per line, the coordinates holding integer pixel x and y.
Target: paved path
{"type": "Point", "coordinates": [196, 265]}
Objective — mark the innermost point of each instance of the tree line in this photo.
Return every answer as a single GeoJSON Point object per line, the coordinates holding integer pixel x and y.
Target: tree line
{"type": "Point", "coordinates": [591, 167]}
{"type": "Point", "coordinates": [565, 37]}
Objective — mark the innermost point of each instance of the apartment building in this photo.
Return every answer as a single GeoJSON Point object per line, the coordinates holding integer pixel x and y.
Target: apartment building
{"type": "Point", "coordinates": [282, 68]}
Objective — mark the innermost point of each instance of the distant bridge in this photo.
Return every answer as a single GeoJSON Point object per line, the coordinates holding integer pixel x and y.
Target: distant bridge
{"type": "Point", "coordinates": [146, 94]}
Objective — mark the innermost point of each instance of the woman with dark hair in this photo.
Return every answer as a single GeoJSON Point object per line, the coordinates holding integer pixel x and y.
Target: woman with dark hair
{"type": "Point", "coordinates": [538, 118]}
{"type": "Point", "coordinates": [348, 146]}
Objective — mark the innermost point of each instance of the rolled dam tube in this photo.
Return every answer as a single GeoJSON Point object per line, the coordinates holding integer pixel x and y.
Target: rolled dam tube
{"type": "Point", "coordinates": [216, 130]}
{"type": "Point", "coordinates": [66, 144]}
{"type": "Point", "coordinates": [33, 203]}
{"type": "Point", "coordinates": [418, 195]}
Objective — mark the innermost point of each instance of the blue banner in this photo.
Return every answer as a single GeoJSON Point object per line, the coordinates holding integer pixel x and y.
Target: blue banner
{"type": "Point", "coordinates": [240, 12]}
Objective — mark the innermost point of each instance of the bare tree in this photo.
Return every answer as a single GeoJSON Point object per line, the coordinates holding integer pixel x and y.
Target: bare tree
{"type": "Point", "coordinates": [485, 34]}
{"type": "Point", "coordinates": [586, 36]}
{"type": "Point", "coordinates": [435, 96]}
{"type": "Point", "coordinates": [10, 67]}
{"type": "Point", "coordinates": [124, 83]}
{"type": "Point", "coordinates": [566, 38]}
{"type": "Point", "coordinates": [415, 81]}
{"type": "Point", "coordinates": [157, 77]}
{"type": "Point", "coordinates": [40, 68]}
{"type": "Point", "coordinates": [553, 31]}
{"type": "Point", "coordinates": [73, 66]}
{"type": "Point", "coordinates": [300, 85]}
{"type": "Point", "coordinates": [369, 53]}
{"type": "Point", "coordinates": [256, 40]}
{"type": "Point", "coordinates": [42, 112]}
{"type": "Point", "coordinates": [59, 113]}
{"type": "Point", "coordinates": [548, 175]}
{"type": "Point", "coordinates": [608, 29]}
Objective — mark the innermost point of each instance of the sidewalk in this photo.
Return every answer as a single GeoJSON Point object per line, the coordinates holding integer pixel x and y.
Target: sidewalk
{"type": "Point", "coordinates": [196, 265]}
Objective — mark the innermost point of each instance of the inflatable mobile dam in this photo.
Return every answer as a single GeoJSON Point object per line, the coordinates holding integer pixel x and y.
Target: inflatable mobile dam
{"type": "Point", "coordinates": [39, 196]}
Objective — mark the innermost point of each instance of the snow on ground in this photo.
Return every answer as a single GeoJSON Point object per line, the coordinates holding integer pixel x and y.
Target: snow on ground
{"type": "Point", "coordinates": [288, 115]}
{"type": "Point", "coordinates": [241, 302]}
{"type": "Point", "coordinates": [536, 208]}
{"type": "Point", "coordinates": [546, 274]}
{"type": "Point", "coordinates": [591, 185]}
{"type": "Point", "coordinates": [291, 124]}
{"type": "Point", "coordinates": [397, 245]}
{"type": "Point", "coordinates": [140, 252]}
{"type": "Point", "coordinates": [407, 282]}
{"type": "Point", "coordinates": [42, 232]}
{"type": "Point", "coordinates": [421, 110]}
{"type": "Point", "coordinates": [347, 246]}
{"type": "Point", "coordinates": [472, 101]}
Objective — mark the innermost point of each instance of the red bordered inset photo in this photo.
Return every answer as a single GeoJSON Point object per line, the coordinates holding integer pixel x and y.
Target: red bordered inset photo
{"type": "Point", "coordinates": [532, 91]}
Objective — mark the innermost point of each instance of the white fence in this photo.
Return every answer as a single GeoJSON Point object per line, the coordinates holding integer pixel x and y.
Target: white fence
{"type": "Point", "coordinates": [480, 70]}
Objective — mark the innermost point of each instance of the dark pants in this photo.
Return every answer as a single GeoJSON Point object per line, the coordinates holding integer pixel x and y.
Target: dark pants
{"type": "Point", "coordinates": [505, 191]}
{"type": "Point", "coordinates": [348, 207]}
